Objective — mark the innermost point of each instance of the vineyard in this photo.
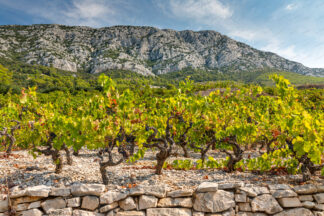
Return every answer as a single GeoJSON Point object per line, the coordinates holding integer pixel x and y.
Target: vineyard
{"type": "Point", "coordinates": [276, 131]}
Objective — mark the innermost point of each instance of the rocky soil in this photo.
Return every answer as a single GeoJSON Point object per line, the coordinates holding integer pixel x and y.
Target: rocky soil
{"type": "Point", "coordinates": [23, 170]}
{"type": "Point", "coordinates": [145, 50]}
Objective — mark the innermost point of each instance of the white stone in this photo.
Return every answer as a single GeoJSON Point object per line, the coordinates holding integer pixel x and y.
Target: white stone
{"type": "Point", "coordinates": [127, 204]}
{"type": "Point", "coordinates": [308, 204]}
{"type": "Point", "coordinates": [85, 213]}
{"type": "Point", "coordinates": [38, 191]}
{"type": "Point", "coordinates": [57, 203]}
{"type": "Point", "coordinates": [289, 202]}
{"type": "Point", "coordinates": [32, 212]}
{"type": "Point", "coordinates": [146, 202]}
{"type": "Point", "coordinates": [230, 185]}
{"type": "Point", "coordinates": [109, 207]}
{"type": "Point", "coordinates": [168, 212]}
{"type": "Point", "coordinates": [74, 202]}
{"type": "Point", "coordinates": [87, 189]}
{"type": "Point", "coordinates": [279, 187]}
{"type": "Point", "coordinates": [254, 191]}
{"type": "Point", "coordinates": [214, 201]}
{"type": "Point", "coordinates": [34, 205]}
{"type": "Point", "coordinates": [265, 203]}
{"type": "Point", "coordinates": [319, 207]}
{"type": "Point", "coordinates": [319, 198]}
{"type": "Point", "coordinates": [21, 207]}
{"type": "Point", "coordinates": [4, 205]}
{"type": "Point", "coordinates": [296, 212]}
{"type": "Point", "coordinates": [180, 193]}
{"type": "Point", "coordinates": [306, 198]}
{"type": "Point", "coordinates": [90, 202]}
{"type": "Point", "coordinates": [246, 207]}
{"type": "Point", "coordinates": [207, 187]}
{"type": "Point", "coordinates": [283, 193]}
{"type": "Point", "coordinates": [130, 213]}
{"type": "Point", "coordinates": [63, 192]}
{"type": "Point", "coordinates": [175, 202]}
{"type": "Point", "coordinates": [240, 197]}
{"type": "Point", "coordinates": [157, 191]}
{"type": "Point", "coordinates": [16, 192]}
{"type": "Point", "coordinates": [112, 196]}
{"type": "Point", "coordinates": [60, 212]}
{"type": "Point", "coordinates": [305, 189]}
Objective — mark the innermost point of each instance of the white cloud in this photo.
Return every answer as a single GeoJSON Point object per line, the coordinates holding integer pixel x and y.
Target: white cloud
{"type": "Point", "coordinates": [290, 7]}
{"type": "Point", "coordinates": [200, 10]}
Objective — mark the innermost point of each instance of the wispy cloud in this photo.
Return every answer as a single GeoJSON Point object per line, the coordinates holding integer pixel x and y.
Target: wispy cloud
{"type": "Point", "coordinates": [290, 7]}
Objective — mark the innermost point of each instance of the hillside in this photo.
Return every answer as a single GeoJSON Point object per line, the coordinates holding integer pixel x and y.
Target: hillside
{"type": "Point", "coordinates": [145, 50]}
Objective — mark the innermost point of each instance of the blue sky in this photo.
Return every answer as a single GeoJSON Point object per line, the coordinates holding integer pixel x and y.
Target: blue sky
{"type": "Point", "coordinates": [293, 29]}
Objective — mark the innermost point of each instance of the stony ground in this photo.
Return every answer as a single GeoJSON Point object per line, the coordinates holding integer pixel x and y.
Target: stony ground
{"type": "Point", "coordinates": [22, 169]}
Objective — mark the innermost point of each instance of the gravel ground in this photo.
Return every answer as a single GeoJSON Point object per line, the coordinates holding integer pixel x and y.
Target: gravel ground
{"type": "Point", "coordinates": [22, 169]}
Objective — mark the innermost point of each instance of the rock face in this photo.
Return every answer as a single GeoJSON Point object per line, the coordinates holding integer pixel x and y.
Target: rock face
{"type": "Point", "coordinates": [145, 50]}
{"type": "Point", "coordinates": [265, 203]}
{"type": "Point", "coordinates": [214, 201]}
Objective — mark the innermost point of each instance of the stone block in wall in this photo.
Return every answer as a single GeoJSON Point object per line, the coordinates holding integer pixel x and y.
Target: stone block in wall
{"type": "Point", "coordinates": [34, 205]}
{"type": "Point", "coordinates": [253, 191]}
{"type": "Point", "coordinates": [319, 198]}
{"type": "Point", "coordinates": [318, 213]}
{"type": "Point", "coordinates": [240, 197]}
{"type": "Point", "coordinates": [146, 202]}
{"type": "Point", "coordinates": [265, 203]}
{"type": "Point", "coordinates": [131, 213]}
{"type": "Point", "coordinates": [283, 193]}
{"type": "Point", "coordinates": [21, 207]}
{"type": "Point", "coordinates": [250, 214]}
{"type": "Point", "coordinates": [229, 212]}
{"type": "Point", "coordinates": [194, 213]}
{"type": "Point", "coordinates": [279, 187]}
{"type": "Point", "coordinates": [305, 198]}
{"type": "Point", "coordinates": [157, 191]}
{"type": "Point", "coordinates": [62, 192]}
{"type": "Point", "coordinates": [305, 189]}
{"type": "Point", "coordinates": [207, 187]}
{"type": "Point", "coordinates": [60, 212]}
{"type": "Point", "coordinates": [168, 212]}
{"type": "Point", "coordinates": [245, 207]}
{"type": "Point", "coordinates": [57, 203]}
{"type": "Point", "coordinates": [230, 185]}
{"type": "Point", "coordinates": [108, 207]}
{"type": "Point", "coordinates": [16, 192]}
{"type": "Point", "coordinates": [128, 204]}
{"type": "Point", "coordinates": [295, 212]}
{"type": "Point", "coordinates": [74, 202]}
{"type": "Point", "coordinates": [78, 212]}
{"type": "Point", "coordinates": [25, 200]}
{"type": "Point", "coordinates": [38, 191]}
{"type": "Point", "coordinates": [4, 205]}
{"type": "Point", "coordinates": [320, 188]}
{"type": "Point", "coordinates": [90, 202]}
{"type": "Point", "coordinates": [308, 204]}
{"type": "Point", "coordinates": [87, 189]}
{"type": "Point", "coordinates": [180, 193]}
{"type": "Point", "coordinates": [112, 196]}
{"type": "Point", "coordinates": [175, 202]}
{"type": "Point", "coordinates": [289, 202]}
{"type": "Point", "coordinates": [214, 201]}
{"type": "Point", "coordinates": [319, 207]}
{"type": "Point", "coordinates": [32, 212]}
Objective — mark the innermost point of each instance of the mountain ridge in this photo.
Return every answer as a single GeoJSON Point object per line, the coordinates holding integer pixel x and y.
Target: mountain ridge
{"type": "Point", "coordinates": [143, 49]}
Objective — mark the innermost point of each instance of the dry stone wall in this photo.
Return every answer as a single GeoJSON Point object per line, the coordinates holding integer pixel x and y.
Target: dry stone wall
{"type": "Point", "coordinates": [208, 199]}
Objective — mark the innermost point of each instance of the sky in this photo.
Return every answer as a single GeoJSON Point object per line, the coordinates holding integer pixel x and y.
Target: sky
{"type": "Point", "coordinates": [293, 29]}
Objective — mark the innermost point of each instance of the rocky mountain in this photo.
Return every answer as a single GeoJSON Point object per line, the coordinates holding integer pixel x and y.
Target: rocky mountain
{"type": "Point", "coordinates": [145, 50]}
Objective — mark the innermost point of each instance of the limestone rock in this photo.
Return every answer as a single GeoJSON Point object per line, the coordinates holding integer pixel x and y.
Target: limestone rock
{"type": "Point", "coordinates": [63, 192]}
{"type": "Point", "coordinates": [109, 207]}
{"type": "Point", "coordinates": [127, 204]}
{"type": "Point", "coordinates": [25, 200]}
{"type": "Point", "coordinates": [214, 201]}
{"type": "Point", "coordinates": [207, 187]}
{"type": "Point", "coordinates": [78, 212]}
{"type": "Point", "coordinates": [319, 198]}
{"type": "Point", "coordinates": [175, 202]}
{"type": "Point", "coordinates": [57, 203]}
{"type": "Point", "coordinates": [157, 191]}
{"type": "Point", "coordinates": [245, 207]}
{"type": "Point", "coordinates": [130, 213]}
{"type": "Point", "coordinates": [21, 207]}
{"type": "Point", "coordinates": [265, 203]}
{"type": "Point", "coordinates": [4, 205]}
{"type": "Point", "coordinates": [319, 207]}
{"type": "Point", "coordinates": [305, 189]}
{"type": "Point", "coordinates": [230, 185]}
{"type": "Point", "coordinates": [87, 189]}
{"type": "Point", "coordinates": [306, 198]}
{"type": "Point", "coordinates": [90, 202]}
{"type": "Point", "coordinates": [279, 187]}
{"type": "Point", "coordinates": [320, 188]}
{"type": "Point", "coordinates": [290, 202]}
{"type": "Point", "coordinates": [146, 202]}
{"type": "Point", "coordinates": [180, 193]}
{"type": "Point", "coordinates": [112, 196]}
{"type": "Point", "coordinates": [240, 197]}
{"type": "Point", "coordinates": [168, 212]}
{"type": "Point", "coordinates": [60, 212]}
{"type": "Point", "coordinates": [34, 205]}
{"type": "Point", "coordinates": [74, 202]}
{"type": "Point", "coordinates": [38, 191]}
{"type": "Point", "coordinates": [283, 193]}
{"type": "Point", "coordinates": [250, 214]}
{"type": "Point", "coordinates": [254, 191]}
{"type": "Point", "coordinates": [308, 204]}
{"type": "Point", "coordinates": [16, 192]}
{"type": "Point", "coordinates": [296, 212]}
{"type": "Point", "coordinates": [32, 212]}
